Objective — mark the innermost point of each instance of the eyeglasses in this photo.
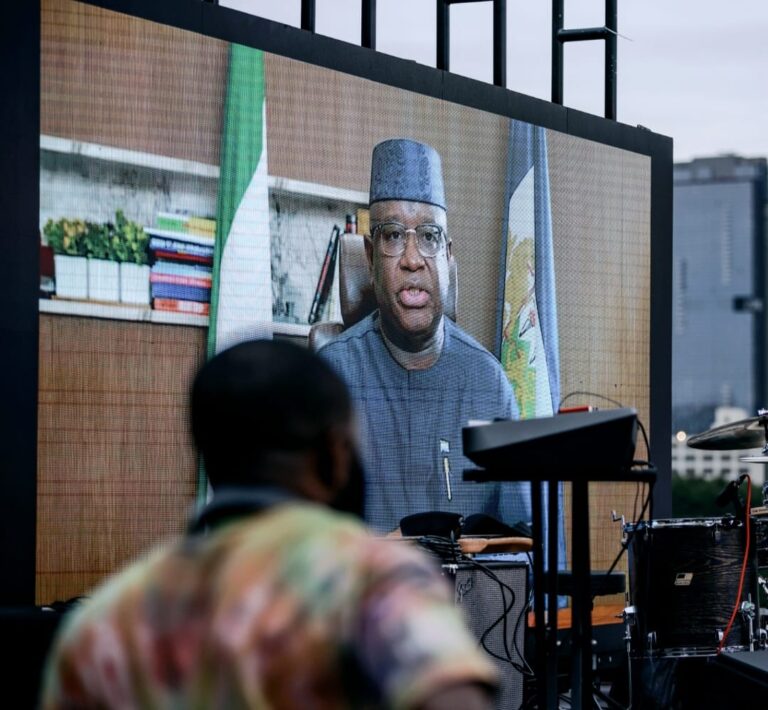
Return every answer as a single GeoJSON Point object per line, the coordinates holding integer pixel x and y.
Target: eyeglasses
{"type": "Point", "coordinates": [391, 238]}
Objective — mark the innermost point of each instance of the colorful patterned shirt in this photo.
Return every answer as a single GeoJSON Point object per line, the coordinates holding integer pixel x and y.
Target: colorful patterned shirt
{"type": "Point", "coordinates": [295, 607]}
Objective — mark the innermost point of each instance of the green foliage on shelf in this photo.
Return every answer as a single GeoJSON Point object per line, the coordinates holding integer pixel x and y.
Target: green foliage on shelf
{"type": "Point", "coordinates": [96, 238]}
{"type": "Point", "coordinates": [129, 240]}
{"type": "Point", "coordinates": [122, 241]}
{"type": "Point", "coordinates": [66, 236]}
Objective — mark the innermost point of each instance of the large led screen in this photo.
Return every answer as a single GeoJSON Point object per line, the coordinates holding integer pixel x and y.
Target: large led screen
{"type": "Point", "coordinates": [194, 192]}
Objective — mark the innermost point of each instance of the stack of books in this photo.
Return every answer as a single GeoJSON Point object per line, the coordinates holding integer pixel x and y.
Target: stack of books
{"type": "Point", "coordinates": [181, 248]}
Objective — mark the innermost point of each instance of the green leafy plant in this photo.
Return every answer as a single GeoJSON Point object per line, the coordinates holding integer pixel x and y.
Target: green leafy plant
{"type": "Point", "coordinates": [122, 240]}
{"type": "Point", "coordinates": [66, 236]}
{"type": "Point", "coordinates": [96, 239]}
{"type": "Point", "coordinates": [129, 240]}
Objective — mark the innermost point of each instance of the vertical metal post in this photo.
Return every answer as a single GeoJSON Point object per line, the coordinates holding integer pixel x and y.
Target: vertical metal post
{"type": "Point", "coordinates": [611, 44]}
{"type": "Point", "coordinates": [500, 42]}
{"type": "Point", "coordinates": [553, 517]}
{"type": "Point", "coordinates": [443, 35]}
{"type": "Point", "coordinates": [557, 52]}
{"type": "Point", "coordinates": [368, 29]}
{"type": "Point", "coordinates": [544, 700]}
{"type": "Point", "coordinates": [581, 617]}
{"type": "Point", "coordinates": [308, 15]}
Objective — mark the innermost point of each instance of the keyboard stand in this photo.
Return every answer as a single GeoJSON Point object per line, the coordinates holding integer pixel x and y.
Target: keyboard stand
{"type": "Point", "coordinates": [545, 577]}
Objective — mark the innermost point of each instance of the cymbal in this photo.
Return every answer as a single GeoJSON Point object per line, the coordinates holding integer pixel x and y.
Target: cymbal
{"type": "Point", "coordinates": [754, 459]}
{"type": "Point", "coordinates": [744, 434]}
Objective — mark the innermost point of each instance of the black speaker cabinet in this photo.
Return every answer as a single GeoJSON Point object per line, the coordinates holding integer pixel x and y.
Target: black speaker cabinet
{"type": "Point", "coordinates": [492, 596]}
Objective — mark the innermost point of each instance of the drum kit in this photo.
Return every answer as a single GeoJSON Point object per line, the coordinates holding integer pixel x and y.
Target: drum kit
{"type": "Point", "coordinates": [697, 585]}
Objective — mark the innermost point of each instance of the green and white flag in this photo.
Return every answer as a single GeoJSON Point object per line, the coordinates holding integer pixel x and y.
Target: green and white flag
{"type": "Point", "coordinates": [241, 296]}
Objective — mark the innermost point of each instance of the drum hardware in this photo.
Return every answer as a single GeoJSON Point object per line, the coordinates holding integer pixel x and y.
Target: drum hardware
{"type": "Point", "coordinates": [615, 518]}
{"type": "Point", "coordinates": [629, 620]}
{"type": "Point", "coordinates": [747, 610]}
{"type": "Point", "coordinates": [762, 626]}
{"type": "Point", "coordinates": [762, 458]}
{"type": "Point", "coordinates": [629, 615]}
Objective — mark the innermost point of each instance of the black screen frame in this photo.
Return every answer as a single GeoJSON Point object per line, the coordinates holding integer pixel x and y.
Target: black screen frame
{"type": "Point", "coordinates": [19, 201]}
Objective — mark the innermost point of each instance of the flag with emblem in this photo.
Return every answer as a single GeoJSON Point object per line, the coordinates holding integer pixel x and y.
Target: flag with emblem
{"type": "Point", "coordinates": [528, 347]}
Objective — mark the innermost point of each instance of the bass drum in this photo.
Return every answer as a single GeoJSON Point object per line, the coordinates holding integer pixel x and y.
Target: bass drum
{"type": "Point", "coordinates": [684, 578]}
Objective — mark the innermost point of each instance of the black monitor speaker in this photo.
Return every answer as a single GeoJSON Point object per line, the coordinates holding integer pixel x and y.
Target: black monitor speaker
{"type": "Point", "coordinates": [493, 599]}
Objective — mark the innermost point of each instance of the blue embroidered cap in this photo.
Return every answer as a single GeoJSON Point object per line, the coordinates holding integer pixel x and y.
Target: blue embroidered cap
{"type": "Point", "coordinates": [403, 169]}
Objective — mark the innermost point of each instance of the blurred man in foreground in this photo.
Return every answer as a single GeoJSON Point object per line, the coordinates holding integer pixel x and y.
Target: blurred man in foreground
{"type": "Point", "coordinates": [277, 597]}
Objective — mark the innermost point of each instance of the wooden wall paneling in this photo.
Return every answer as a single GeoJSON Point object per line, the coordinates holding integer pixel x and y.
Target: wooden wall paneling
{"type": "Point", "coordinates": [601, 223]}
{"type": "Point", "coordinates": [136, 85]}
{"type": "Point", "coordinates": [116, 466]}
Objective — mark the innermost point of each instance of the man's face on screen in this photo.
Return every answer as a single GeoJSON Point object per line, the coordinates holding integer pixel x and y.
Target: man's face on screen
{"type": "Point", "coordinates": [410, 288]}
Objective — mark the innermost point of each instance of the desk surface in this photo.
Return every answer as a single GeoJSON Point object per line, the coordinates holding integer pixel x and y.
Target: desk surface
{"type": "Point", "coordinates": [602, 615]}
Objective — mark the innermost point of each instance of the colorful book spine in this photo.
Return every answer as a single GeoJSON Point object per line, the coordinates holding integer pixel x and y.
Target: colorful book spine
{"type": "Point", "coordinates": [174, 305]}
{"type": "Point", "coordinates": [191, 258]}
{"type": "Point", "coordinates": [204, 240]}
{"type": "Point", "coordinates": [158, 278]}
{"type": "Point", "coordinates": [181, 269]}
{"type": "Point", "coordinates": [179, 246]}
{"type": "Point", "coordinates": [183, 293]}
{"type": "Point", "coordinates": [202, 226]}
{"type": "Point", "coordinates": [170, 221]}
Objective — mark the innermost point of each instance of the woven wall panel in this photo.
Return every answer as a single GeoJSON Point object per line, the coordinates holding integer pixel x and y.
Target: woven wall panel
{"type": "Point", "coordinates": [130, 86]}
{"type": "Point", "coordinates": [601, 222]}
{"type": "Point", "coordinates": [116, 466]}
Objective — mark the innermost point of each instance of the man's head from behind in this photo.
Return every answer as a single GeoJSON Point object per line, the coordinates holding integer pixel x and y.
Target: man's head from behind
{"type": "Point", "coordinates": [409, 249]}
{"type": "Point", "coordinates": [274, 414]}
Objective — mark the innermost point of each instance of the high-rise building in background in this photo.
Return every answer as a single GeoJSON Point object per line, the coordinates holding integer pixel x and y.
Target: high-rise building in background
{"type": "Point", "coordinates": [719, 289]}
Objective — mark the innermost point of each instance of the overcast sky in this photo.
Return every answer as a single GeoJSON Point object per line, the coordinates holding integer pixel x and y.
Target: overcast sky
{"type": "Point", "coordinates": [696, 70]}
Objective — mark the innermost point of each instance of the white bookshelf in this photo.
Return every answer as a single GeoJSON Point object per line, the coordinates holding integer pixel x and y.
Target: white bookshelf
{"type": "Point", "coordinates": [153, 161]}
{"type": "Point", "coordinates": [90, 309]}
{"type": "Point", "coordinates": [96, 151]}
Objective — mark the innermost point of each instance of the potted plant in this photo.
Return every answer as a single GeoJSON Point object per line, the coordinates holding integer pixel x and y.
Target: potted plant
{"type": "Point", "coordinates": [129, 242]}
{"type": "Point", "coordinates": [103, 269]}
{"type": "Point", "coordinates": [66, 238]}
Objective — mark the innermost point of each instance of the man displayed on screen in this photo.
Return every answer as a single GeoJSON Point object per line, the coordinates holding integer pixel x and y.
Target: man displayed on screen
{"type": "Point", "coordinates": [415, 376]}
{"type": "Point", "coordinates": [278, 597]}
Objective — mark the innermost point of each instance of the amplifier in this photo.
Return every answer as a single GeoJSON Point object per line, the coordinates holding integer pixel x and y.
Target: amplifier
{"type": "Point", "coordinates": [493, 597]}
